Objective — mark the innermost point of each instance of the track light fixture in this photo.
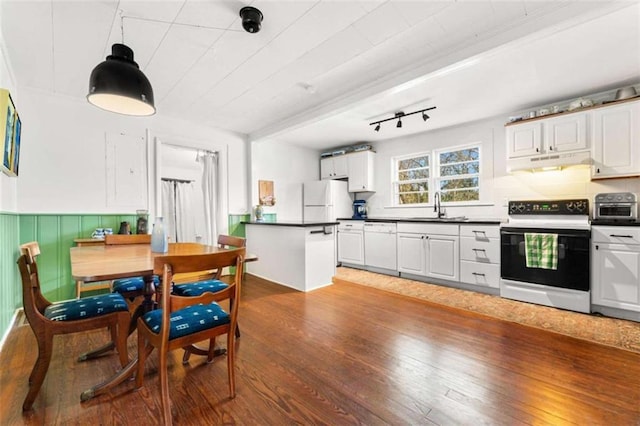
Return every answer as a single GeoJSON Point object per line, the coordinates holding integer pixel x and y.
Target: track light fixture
{"type": "Point", "coordinates": [399, 115]}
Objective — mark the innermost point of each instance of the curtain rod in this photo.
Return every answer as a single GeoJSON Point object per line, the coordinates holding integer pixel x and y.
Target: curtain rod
{"type": "Point", "coordinates": [176, 180]}
{"type": "Point", "coordinates": [190, 148]}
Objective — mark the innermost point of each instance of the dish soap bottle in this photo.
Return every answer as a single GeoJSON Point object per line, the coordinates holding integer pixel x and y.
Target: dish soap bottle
{"type": "Point", "coordinates": [159, 242]}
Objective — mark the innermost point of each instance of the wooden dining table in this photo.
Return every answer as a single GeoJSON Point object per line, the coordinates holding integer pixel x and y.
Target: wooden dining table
{"type": "Point", "coordinates": [102, 263]}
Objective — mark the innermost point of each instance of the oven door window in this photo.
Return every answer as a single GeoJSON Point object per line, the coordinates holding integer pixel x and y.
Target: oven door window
{"type": "Point", "coordinates": [573, 259]}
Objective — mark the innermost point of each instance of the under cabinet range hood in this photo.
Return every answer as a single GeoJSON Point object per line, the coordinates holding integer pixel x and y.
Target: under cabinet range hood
{"type": "Point", "coordinates": [549, 161]}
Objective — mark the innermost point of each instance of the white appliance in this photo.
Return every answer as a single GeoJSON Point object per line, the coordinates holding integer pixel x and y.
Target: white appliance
{"type": "Point", "coordinates": [351, 243]}
{"type": "Point", "coordinates": [325, 201]}
{"type": "Point", "coordinates": [380, 247]}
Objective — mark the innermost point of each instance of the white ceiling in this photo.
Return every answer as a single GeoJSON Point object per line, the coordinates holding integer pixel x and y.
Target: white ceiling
{"type": "Point", "coordinates": [320, 71]}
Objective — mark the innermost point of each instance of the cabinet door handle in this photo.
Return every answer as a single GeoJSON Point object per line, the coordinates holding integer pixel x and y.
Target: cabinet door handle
{"type": "Point", "coordinates": [478, 274]}
{"type": "Point", "coordinates": [537, 149]}
{"type": "Point", "coordinates": [621, 236]}
{"type": "Point", "coordinates": [597, 170]}
{"type": "Point", "coordinates": [550, 148]}
{"type": "Point", "coordinates": [477, 250]}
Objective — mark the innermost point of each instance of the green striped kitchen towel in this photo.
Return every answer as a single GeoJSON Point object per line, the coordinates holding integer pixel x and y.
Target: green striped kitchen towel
{"type": "Point", "coordinates": [541, 250]}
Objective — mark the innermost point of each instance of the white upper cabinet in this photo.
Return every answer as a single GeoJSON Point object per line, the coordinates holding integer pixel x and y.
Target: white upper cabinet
{"type": "Point", "coordinates": [616, 140]}
{"type": "Point", "coordinates": [524, 139]}
{"type": "Point", "coordinates": [334, 167]}
{"type": "Point", "coordinates": [360, 165]}
{"type": "Point", "coordinates": [564, 133]}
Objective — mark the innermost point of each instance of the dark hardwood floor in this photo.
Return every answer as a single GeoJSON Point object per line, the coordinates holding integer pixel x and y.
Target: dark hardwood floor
{"type": "Point", "coordinates": [344, 354]}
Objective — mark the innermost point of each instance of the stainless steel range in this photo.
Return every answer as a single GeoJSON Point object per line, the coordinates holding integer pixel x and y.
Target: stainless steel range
{"type": "Point", "coordinates": [544, 253]}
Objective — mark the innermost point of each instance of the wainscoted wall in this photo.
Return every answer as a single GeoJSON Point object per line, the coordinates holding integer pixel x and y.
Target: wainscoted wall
{"type": "Point", "coordinates": [237, 229]}
{"type": "Point", "coordinates": [55, 234]}
{"type": "Point", "coordinates": [10, 289]}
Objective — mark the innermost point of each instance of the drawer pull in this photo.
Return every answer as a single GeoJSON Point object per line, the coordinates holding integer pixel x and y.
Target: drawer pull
{"type": "Point", "coordinates": [477, 250]}
{"type": "Point", "coordinates": [478, 274]}
{"type": "Point", "coordinates": [621, 236]}
{"type": "Point", "coordinates": [478, 232]}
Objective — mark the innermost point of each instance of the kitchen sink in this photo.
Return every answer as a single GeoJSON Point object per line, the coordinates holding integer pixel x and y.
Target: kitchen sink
{"type": "Point", "coordinates": [442, 219]}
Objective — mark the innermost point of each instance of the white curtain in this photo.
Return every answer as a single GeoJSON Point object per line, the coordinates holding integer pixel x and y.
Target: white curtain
{"type": "Point", "coordinates": [168, 209]}
{"type": "Point", "coordinates": [209, 163]}
{"type": "Point", "coordinates": [177, 210]}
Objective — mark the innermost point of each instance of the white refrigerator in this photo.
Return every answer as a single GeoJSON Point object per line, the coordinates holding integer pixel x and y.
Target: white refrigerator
{"type": "Point", "coordinates": [326, 200]}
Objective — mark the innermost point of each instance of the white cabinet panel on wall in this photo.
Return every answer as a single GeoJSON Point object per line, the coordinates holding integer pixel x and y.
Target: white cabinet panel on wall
{"type": "Point", "coordinates": [126, 171]}
{"type": "Point", "coordinates": [616, 140]}
{"type": "Point", "coordinates": [334, 167]}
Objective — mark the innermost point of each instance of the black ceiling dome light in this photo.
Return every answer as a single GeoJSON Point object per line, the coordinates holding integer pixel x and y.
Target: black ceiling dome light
{"type": "Point", "coordinates": [118, 85]}
{"type": "Point", "coordinates": [251, 19]}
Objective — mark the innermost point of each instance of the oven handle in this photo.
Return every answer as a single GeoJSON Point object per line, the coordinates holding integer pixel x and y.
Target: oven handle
{"type": "Point", "coordinates": [561, 250]}
{"type": "Point", "coordinates": [559, 234]}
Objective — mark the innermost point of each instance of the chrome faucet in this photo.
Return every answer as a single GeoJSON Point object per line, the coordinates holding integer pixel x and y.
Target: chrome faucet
{"type": "Point", "coordinates": [436, 205]}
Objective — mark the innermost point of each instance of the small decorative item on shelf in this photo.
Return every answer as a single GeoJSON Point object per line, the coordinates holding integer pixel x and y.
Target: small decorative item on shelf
{"type": "Point", "coordinates": [159, 242]}
{"type": "Point", "coordinates": [259, 212]}
{"type": "Point", "coordinates": [142, 222]}
{"type": "Point", "coordinates": [125, 228]}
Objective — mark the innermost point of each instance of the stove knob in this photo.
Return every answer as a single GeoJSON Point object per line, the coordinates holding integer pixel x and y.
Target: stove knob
{"type": "Point", "coordinates": [520, 207]}
{"type": "Point", "coordinates": [570, 206]}
{"type": "Point", "coordinates": [512, 208]}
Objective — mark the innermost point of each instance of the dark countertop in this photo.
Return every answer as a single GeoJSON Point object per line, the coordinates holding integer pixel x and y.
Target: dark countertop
{"type": "Point", "coordinates": [610, 222]}
{"type": "Point", "coordinates": [298, 224]}
{"type": "Point", "coordinates": [454, 220]}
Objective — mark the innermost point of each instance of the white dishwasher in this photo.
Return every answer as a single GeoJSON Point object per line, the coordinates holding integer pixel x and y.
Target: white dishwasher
{"type": "Point", "coordinates": [380, 247]}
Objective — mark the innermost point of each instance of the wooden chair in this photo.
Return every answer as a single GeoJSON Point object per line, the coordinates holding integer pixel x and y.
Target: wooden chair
{"type": "Point", "coordinates": [49, 319]}
{"type": "Point", "coordinates": [226, 241]}
{"type": "Point", "coordinates": [183, 321]}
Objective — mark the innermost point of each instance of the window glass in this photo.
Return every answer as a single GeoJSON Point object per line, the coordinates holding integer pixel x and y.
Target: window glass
{"type": "Point", "coordinates": [455, 172]}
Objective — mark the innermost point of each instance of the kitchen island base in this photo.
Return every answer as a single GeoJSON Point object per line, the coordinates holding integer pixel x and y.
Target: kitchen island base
{"type": "Point", "coordinates": [300, 256]}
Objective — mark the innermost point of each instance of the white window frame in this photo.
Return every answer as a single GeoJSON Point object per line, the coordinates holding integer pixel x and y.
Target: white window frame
{"type": "Point", "coordinates": [433, 181]}
{"type": "Point", "coordinates": [395, 183]}
{"type": "Point", "coordinates": [437, 178]}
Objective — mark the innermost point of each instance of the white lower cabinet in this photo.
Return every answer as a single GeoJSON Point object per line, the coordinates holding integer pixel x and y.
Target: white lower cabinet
{"type": "Point", "coordinates": [351, 243]}
{"type": "Point", "coordinates": [615, 271]}
{"type": "Point", "coordinates": [480, 255]}
{"type": "Point", "coordinates": [411, 253]}
{"type": "Point", "coordinates": [429, 250]}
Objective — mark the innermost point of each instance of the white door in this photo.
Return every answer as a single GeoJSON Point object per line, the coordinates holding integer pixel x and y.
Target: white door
{"type": "Point", "coordinates": [317, 193]}
{"type": "Point", "coordinates": [443, 257]}
{"type": "Point", "coordinates": [317, 214]}
{"type": "Point", "coordinates": [616, 276]}
{"type": "Point", "coordinates": [566, 133]}
{"type": "Point", "coordinates": [351, 247]}
{"type": "Point", "coordinates": [524, 139]}
{"type": "Point", "coordinates": [411, 253]}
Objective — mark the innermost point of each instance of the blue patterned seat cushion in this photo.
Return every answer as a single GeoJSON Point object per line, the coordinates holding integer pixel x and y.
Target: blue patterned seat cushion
{"type": "Point", "coordinates": [132, 284]}
{"type": "Point", "coordinates": [198, 288]}
{"type": "Point", "coordinates": [189, 320]}
{"type": "Point", "coordinates": [87, 307]}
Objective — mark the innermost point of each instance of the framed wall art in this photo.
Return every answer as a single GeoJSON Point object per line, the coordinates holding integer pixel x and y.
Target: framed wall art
{"type": "Point", "coordinates": [10, 132]}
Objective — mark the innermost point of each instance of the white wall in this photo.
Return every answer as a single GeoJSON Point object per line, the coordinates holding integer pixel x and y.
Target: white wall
{"type": "Point", "coordinates": [288, 167]}
{"type": "Point", "coordinates": [568, 183]}
{"type": "Point", "coordinates": [63, 153]}
{"type": "Point", "coordinates": [8, 185]}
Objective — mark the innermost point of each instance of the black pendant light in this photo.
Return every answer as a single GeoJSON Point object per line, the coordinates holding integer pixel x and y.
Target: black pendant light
{"type": "Point", "coordinates": [118, 85]}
